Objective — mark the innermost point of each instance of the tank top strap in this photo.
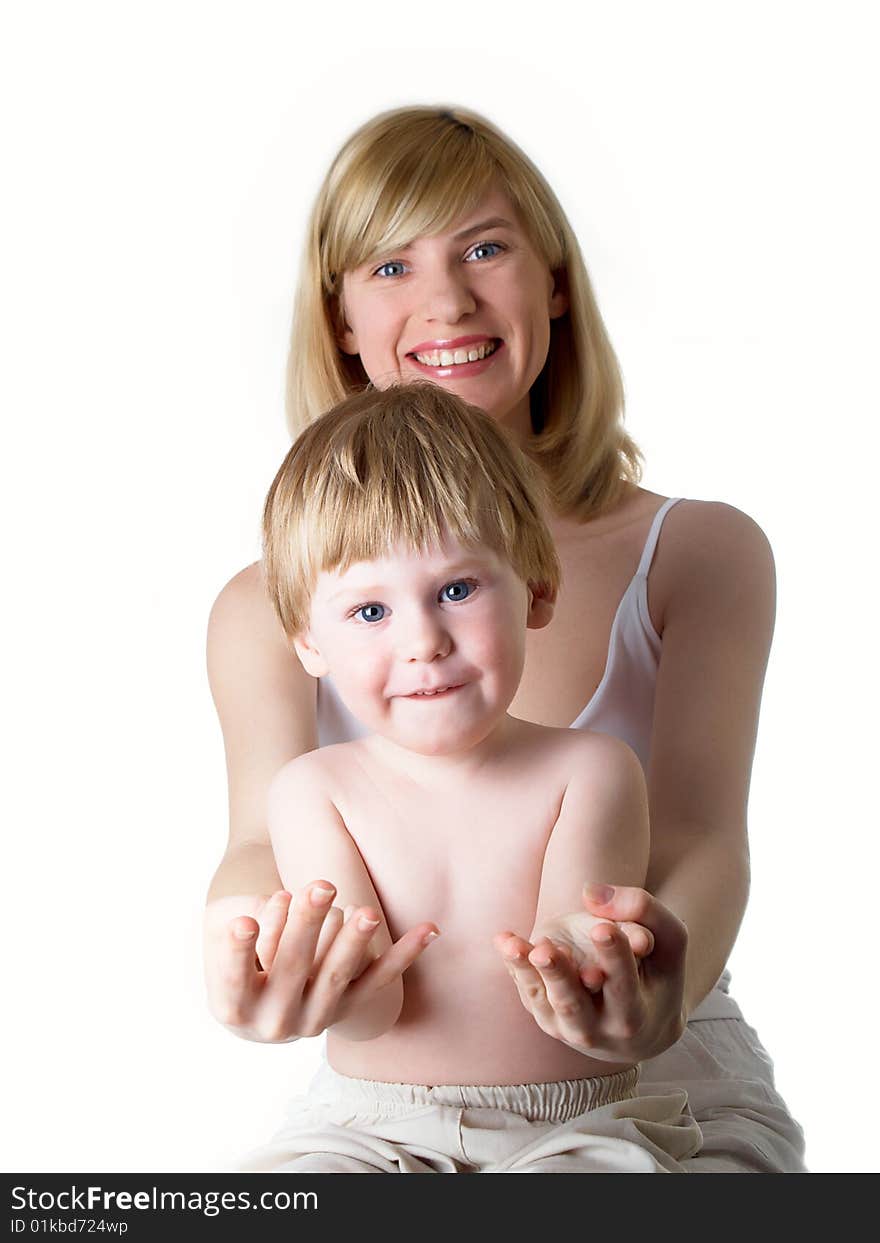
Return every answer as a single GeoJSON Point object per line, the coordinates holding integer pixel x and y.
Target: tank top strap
{"type": "Point", "coordinates": [654, 535]}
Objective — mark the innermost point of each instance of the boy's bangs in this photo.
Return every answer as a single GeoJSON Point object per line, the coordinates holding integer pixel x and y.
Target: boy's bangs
{"type": "Point", "coordinates": [420, 193]}
{"type": "Point", "coordinates": [371, 524]}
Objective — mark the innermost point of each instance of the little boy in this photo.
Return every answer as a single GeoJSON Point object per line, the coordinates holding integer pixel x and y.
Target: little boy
{"type": "Point", "coordinates": [406, 555]}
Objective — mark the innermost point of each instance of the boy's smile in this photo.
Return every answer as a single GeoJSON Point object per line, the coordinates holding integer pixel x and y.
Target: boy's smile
{"type": "Point", "coordinates": [425, 648]}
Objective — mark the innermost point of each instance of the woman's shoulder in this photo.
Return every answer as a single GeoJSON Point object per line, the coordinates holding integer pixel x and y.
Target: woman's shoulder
{"type": "Point", "coordinates": [242, 605]}
{"type": "Point", "coordinates": [690, 529]}
{"type": "Point", "coordinates": [695, 529]}
{"type": "Point", "coordinates": [690, 520]}
{"type": "Point", "coordinates": [243, 591]}
{"type": "Point", "coordinates": [245, 642]}
{"type": "Point", "coordinates": [709, 550]}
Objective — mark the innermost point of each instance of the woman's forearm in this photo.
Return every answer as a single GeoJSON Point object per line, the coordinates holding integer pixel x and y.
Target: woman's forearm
{"type": "Point", "coordinates": [246, 868]}
{"type": "Point", "coordinates": [706, 884]}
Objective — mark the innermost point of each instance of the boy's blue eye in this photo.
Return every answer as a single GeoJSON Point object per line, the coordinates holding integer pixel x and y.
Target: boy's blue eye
{"type": "Point", "coordinates": [459, 590]}
{"type": "Point", "coordinates": [371, 612]}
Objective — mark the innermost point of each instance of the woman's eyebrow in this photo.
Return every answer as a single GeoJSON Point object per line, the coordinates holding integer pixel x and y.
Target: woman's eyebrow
{"type": "Point", "coordinates": [494, 222]}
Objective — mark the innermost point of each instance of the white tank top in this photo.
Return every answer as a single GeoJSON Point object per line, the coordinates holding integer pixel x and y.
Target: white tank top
{"type": "Point", "coordinates": [623, 703]}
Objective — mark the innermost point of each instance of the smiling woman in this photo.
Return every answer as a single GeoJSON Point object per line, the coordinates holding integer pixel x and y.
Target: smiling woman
{"type": "Point", "coordinates": [497, 281]}
{"type": "Point", "coordinates": [437, 223]}
{"type": "Point", "coordinates": [433, 237]}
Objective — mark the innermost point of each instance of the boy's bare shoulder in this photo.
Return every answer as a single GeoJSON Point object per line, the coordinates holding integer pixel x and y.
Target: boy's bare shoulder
{"type": "Point", "coordinates": [313, 773]}
{"type": "Point", "coordinates": [582, 752]}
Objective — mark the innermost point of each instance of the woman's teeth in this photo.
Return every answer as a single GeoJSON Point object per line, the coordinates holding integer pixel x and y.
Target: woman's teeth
{"type": "Point", "coordinates": [450, 358]}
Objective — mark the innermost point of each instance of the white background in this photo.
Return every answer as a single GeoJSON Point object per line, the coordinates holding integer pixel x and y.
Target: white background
{"type": "Point", "coordinates": [717, 163]}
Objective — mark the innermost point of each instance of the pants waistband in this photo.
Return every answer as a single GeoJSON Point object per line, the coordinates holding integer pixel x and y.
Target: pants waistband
{"type": "Point", "coordinates": [538, 1102]}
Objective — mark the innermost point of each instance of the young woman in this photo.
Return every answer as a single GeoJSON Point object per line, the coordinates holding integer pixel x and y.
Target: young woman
{"type": "Point", "coordinates": [437, 250]}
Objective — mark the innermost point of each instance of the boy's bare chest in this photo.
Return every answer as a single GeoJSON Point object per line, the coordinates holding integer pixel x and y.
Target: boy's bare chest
{"type": "Point", "coordinates": [469, 858]}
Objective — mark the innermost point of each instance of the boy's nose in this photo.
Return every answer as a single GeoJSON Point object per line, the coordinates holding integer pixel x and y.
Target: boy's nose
{"type": "Point", "coordinates": [423, 638]}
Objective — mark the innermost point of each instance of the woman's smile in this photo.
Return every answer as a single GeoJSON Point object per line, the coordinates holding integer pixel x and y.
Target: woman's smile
{"type": "Point", "coordinates": [463, 357]}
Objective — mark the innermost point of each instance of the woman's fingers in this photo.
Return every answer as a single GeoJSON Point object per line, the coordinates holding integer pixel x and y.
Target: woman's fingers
{"type": "Point", "coordinates": [235, 983]}
{"type": "Point", "coordinates": [272, 920]}
{"type": "Point", "coordinates": [529, 984]}
{"type": "Point", "coordinates": [341, 962]}
{"type": "Point", "coordinates": [628, 904]}
{"type": "Point", "coordinates": [641, 940]}
{"type": "Point", "coordinates": [572, 1008]}
{"type": "Point", "coordinates": [395, 960]}
{"type": "Point", "coordinates": [623, 1005]}
{"type": "Point", "coordinates": [295, 952]}
{"type": "Point", "coordinates": [329, 930]}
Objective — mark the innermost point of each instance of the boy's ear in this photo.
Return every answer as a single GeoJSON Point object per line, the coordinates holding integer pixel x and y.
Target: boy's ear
{"type": "Point", "coordinates": [542, 601]}
{"type": "Point", "coordinates": [309, 656]}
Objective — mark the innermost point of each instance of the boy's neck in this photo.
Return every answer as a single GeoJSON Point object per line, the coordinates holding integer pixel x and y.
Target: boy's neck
{"type": "Point", "coordinates": [431, 770]}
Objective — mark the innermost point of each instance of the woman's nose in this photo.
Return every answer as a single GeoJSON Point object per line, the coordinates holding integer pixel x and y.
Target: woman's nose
{"type": "Point", "coordinates": [449, 298]}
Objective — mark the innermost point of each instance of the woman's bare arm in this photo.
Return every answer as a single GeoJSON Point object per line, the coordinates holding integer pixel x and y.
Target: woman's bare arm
{"type": "Point", "coordinates": [717, 587]}
{"type": "Point", "coordinates": [713, 589]}
{"type": "Point", "coordinates": [266, 704]}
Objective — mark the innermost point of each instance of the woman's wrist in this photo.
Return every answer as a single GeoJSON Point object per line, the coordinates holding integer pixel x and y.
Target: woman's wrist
{"type": "Point", "coordinates": [246, 869]}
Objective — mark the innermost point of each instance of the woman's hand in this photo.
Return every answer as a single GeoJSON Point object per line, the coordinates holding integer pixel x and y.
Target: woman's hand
{"type": "Point", "coordinates": [636, 1010]}
{"type": "Point", "coordinates": [571, 935]}
{"type": "Point", "coordinates": [297, 966]}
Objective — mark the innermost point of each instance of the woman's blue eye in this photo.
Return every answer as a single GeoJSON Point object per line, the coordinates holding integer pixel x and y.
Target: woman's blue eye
{"type": "Point", "coordinates": [371, 612]}
{"type": "Point", "coordinates": [456, 591]}
{"type": "Point", "coordinates": [484, 246]}
{"type": "Point", "coordinates": [395, 263]}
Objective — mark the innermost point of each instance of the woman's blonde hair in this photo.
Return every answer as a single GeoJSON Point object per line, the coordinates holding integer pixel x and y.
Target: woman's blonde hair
{"type": "Point", "coordinates": [413, 172]}
{"type": "Point", "coordinates": [412, 464]}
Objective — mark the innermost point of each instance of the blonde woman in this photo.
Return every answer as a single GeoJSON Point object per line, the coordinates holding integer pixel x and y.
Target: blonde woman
{"type": "Point", "coordinates": [437, 250]}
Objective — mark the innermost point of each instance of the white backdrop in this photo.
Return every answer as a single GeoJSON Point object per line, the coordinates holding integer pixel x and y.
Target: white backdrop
{"type": "Point", "coordinates": [718, 166]}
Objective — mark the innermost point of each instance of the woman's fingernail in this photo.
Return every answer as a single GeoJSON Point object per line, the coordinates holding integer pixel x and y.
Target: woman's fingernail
{"type": "Point", "coordinates": [347, 913]}
{"type": "Point", "coordinates": [602, 936]}
{"type": "Point", "coordinates": [245, 934]}
{"type": "Point", "coordinates": [319, 896]}
{"type": "Point", "coordinates": [429, 937]}
{"type": "Point", "coordinates": [600, 894]}
{"type": "Point", "coordinates": [365, 924]}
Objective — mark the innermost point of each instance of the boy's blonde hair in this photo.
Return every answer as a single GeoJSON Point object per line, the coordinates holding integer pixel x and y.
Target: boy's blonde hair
{"type": "Point", "coordinates": [413, 172]}
{"type": "Point", "coordinates": [412, 464]}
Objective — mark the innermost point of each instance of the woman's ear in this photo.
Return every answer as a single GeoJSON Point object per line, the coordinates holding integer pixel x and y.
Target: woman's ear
{"type": "Point", "coordinates": [559, 293]}
{"type": "Point", "coordinates": [542, 601]}
{"type": "Point", "coordinates": [309, 656]}
{"type": "Point", "coordinates": [345, 335]}
{"type": "Point", "coordinates": [347, 341]}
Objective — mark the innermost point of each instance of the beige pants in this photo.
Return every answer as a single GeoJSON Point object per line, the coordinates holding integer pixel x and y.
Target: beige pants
{"type": "Point", "coordinates": [728, 1076]}
{"type": "Point", "coordinates": [577, 1126]}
